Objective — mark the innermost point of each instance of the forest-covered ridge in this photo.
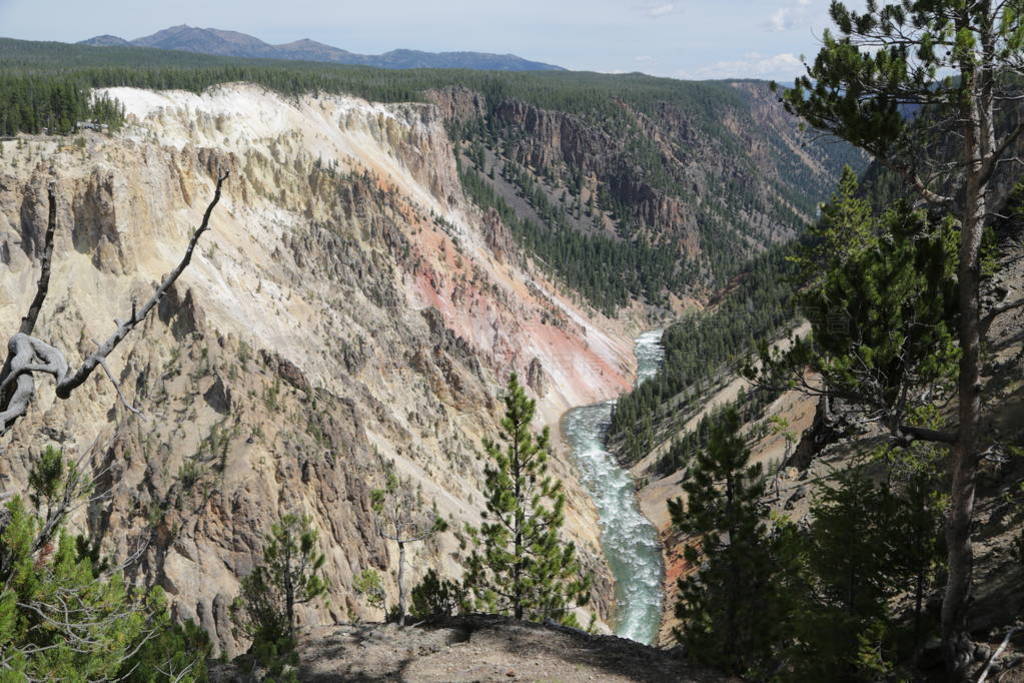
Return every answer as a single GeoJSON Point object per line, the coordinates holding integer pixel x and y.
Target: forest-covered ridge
{"type": "Point", "coordinates": [584, 93]}
{"type": "Point", "coordinates": [702, 352]}
{"type": "Point", "coordinates": [689, 200]}
{"type": "Point", "coordinates": [214, 41]}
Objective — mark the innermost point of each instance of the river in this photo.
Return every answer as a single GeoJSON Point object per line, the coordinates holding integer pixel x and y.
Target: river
{"type": "Point", "coordinates": [629, 540]}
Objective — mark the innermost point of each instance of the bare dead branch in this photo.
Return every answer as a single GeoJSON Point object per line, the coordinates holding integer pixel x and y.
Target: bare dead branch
{"type": "Point", "coordinates": [65, 388]}
{"type": "Point", "coordinates": [993, 159]}
{"type": "Point", "coordinates": [28, 323]}
{"type": "Point", "coordinates": [117, 387]}
{"type": "Point", "coordinates": [995, 655]}
{"type": "Point", "coordinates": [925, 434]}
{"type": "Point", "coordinates": [28, 355]}
{"type": "Point", "coordinates": [407, 539]}
{"type": "Point", "coordinates": [926, 193]}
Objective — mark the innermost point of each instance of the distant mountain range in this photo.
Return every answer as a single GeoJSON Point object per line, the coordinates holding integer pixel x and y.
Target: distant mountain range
{"type": "Point", "coordinates": [212, 41]}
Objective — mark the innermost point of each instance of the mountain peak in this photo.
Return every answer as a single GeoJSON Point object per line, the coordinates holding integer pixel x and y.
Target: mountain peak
{"type": "Point", "coordinates": [214, 41]}
{"type": "Point", "coordinates": [303, 42]}
{"type": "Point", "coordinates": [105, 40]}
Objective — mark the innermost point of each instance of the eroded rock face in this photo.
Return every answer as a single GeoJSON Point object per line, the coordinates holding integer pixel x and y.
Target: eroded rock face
{"type": "Point", "coordinates": [330, 321]}
{"type": "Point", "coordinates": [94, 231]}
{"type": "Point", "coordinates": [535, 377]}
{"type": "Point", "coordinates": [458, 103]}
{"type": "Point", "coordinates": [737, 173]}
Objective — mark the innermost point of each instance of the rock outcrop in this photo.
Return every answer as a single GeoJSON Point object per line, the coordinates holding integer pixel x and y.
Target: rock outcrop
{"type": "Point", "coordinates": [478, 648]}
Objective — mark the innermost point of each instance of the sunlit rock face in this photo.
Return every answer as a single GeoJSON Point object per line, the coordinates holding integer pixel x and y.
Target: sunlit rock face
{"type": "Point", "coordinates": [348, 308]}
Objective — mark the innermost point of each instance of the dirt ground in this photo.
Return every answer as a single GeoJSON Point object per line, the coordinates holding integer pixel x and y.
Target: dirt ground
{"type": "Point", "coordinates": [478, 648]}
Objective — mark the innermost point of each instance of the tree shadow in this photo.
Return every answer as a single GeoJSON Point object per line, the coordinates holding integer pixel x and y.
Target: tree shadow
{"type": "Point", "coordinates": [608, 655]}
{"type": "Point", "coordinates": [350, 649]}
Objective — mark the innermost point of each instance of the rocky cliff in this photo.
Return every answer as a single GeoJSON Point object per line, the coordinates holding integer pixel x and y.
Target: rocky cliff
{"type": "Point", "coordinates": [349, 309]}
{"type": "Point", "coordinates": [712, 173]}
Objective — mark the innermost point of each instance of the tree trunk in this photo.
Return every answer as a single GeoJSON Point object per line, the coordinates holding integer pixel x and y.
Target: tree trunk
{"type": "Point", "coordinates": [918, 603]}
{"type": "Point", "coordinates": [517, 568]}
{"type": "Point", "coordinates": [956, 640]}
{"type": "Point", "coordinates": [401, 583]}
{"type": "Point", "coordinates": [517, 590]}
{"type": "Point", "coordinates": [289, 592]}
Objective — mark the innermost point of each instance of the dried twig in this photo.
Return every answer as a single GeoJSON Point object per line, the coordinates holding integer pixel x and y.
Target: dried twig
{"type": "Point", "coordinates": [995, 655]}
{"type": "Point", "coordinates": [117, 387]}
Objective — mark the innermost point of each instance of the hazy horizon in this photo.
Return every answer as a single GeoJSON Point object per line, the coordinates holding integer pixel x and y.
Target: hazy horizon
{"type": "Point", "coordinates": [698, 39]}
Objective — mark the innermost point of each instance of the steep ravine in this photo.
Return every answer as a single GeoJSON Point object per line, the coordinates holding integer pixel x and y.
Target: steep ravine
{"type": "Point", "coordinates": [629, 540]}
{"type": "Point", "coordinates": [347, 310]}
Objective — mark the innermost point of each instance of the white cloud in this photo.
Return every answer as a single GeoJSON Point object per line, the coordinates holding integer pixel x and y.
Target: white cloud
{"type": "Point", "coordinates": [780, 20]}
{"type": "Point", "coordinates": [784, 65]}
{"type": "Point", "coordinates": [657, 8]}
{"type": "Point", "coordinates": [794, 14]}
{"type": "Point", "coordinates": [644, 58]}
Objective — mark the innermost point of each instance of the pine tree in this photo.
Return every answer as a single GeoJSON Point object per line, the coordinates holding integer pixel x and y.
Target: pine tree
{"type": "Point", "coordinates": [734, 610]}
{"type": "Point", "coordinates": [435, 597]}
{"type": "Point", "coordinates": [881, 296]}
{"type": "Point", "coordinates": [66, 616]}
{"type": "Point", "coordinates": [917, 483]}
{"type": "Point", "coordinates": [851, 557]}
{"type": "Point", "coordinates": [521, 566]}
{"type": "Point", "coordinates": [873, 538]}
{"type": "Point", "coordinates": [399, 519]}
{"type": "Point", "coordinates": [290, 575]}
{"type": "Point", "coordinates": [957, 63]}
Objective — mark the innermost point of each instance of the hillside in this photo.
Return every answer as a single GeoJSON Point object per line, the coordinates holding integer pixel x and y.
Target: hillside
{"type": "Point", "coordinates": [655, 200]}
{"type": "Point", "coordinates": [805, 444]}
{"type": "Point", "coordinates": [626, 187]}
{"type": "Point", "coordinates": [212, 41]}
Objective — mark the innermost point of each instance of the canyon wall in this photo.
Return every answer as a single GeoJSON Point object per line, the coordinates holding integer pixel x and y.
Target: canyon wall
{"type": "Point", "coordinates": [348, 309]}
{"type": "Point", "coordinates": [714, 172]}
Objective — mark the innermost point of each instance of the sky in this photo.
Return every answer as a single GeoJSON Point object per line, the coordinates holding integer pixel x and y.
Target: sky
{"type": "Point", "coordinates": [688, 39]}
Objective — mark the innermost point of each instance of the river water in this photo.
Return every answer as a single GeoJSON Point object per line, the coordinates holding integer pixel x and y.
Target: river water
{"type": "Point", "coordinates": [629, 540]}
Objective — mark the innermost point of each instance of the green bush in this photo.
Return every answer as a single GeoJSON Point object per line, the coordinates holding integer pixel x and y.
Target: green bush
{"type": "Point", "coordinates": [436, 597]}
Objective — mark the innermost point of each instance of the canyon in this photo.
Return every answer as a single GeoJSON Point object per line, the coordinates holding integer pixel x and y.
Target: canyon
{"type": "Point", "coordinates": [345, 312]}
{"type": "Point", "coordinates": [351, 312]}
{"type": "Point", "coordinates": [743, 334]}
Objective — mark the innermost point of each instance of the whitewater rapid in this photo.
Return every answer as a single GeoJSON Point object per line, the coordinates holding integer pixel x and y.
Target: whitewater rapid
{"type": "Point", "coordinates": [629, 540]}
